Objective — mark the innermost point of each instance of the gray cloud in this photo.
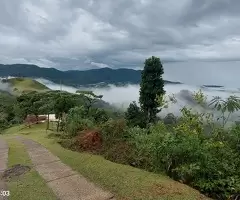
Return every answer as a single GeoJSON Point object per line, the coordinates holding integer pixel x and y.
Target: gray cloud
{"type": "Point", "coordinates": [73, 34]}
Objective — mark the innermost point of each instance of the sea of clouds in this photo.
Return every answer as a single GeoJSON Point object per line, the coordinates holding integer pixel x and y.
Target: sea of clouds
{"type": "Point", "coordinates": [122, 96]}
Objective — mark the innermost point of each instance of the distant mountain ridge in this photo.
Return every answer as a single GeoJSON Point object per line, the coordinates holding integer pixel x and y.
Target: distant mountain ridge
{"type": "Point", "coordinates": [75, 78]}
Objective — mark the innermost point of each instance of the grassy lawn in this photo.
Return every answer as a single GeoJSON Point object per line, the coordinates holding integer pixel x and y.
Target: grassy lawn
{"type": "Point", "coordinates": [26, 84]}
{"type": "Point", "coordinates": [30, 185]}
{"type": "Point", "coordinates": [124, 181]}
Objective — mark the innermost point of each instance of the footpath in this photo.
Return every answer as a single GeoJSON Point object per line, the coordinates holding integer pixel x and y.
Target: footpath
{"type": "Point", "coordinates": [64, 182]}
{"type": "Point", "coordinates": [3, 167]}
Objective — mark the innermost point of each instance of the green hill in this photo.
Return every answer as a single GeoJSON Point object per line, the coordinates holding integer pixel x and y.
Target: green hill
{"type": "Point", "coordinates": [26, 85]}
{"type": "Point", "coordinates": [74, 77]}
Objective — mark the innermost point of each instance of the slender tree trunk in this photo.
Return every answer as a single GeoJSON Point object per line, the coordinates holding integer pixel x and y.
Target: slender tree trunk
{"type": "Point", "coordinates": [48, 122]}
{"type": "Point", "coordinates": [36, 119]}
{"type": "Point", "coordinates": [58, 124]}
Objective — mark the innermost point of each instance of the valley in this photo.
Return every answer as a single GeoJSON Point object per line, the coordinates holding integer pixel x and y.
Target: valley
{"type": "Point", "coordinates": [107, 125]}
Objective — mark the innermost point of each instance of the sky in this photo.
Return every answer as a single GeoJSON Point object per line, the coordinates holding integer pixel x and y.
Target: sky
{"type": "Point", "coordinates": [198, 41]}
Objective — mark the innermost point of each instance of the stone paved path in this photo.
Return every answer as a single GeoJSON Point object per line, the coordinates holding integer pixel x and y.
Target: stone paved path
{"type": "Point", "coordinates": [65, 183]}
{"type": "Point", "coordinates": [3, 165]}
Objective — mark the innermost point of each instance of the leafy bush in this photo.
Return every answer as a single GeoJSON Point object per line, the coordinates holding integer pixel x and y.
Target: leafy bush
{"type": "Point", "coordinates": [134, 116]}
{"type": "Point", "coordinates": [121, 149]}
{"type": "Point", "coordinates": [76, 121]}
{"type": "Point", "coordinates": [119, 152]}
{"type": "Point", "coordinates": [69, 143]}
{"type": "Point", "coordinates": [114, 130]}
{"type": "Point", "coordinates": [186, 154]}
{"type": "Point", "coordinates": [141, 147]}
{"type": "Point", "coordinates": [98, 114]}
{"type": "Point", "coordinates": [218, 170]}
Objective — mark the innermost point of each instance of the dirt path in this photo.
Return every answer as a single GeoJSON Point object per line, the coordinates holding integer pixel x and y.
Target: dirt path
{"type": "Point", "coordinates": [3, 166]}
{"type": "Point", "coordinates": [65, 183]}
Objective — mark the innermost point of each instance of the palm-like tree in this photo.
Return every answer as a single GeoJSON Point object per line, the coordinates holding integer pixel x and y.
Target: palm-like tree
{"type": "Point", "coordinates": [229, 105]}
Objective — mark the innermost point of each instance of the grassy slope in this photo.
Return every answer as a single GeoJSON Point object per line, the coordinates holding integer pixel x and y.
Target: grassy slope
{"type": "Point", "coordinates": [29, 185]}
{"type": "Point", "coordinates": [124, 181]}
{"type": "Point", "coordinates": [26, 84]}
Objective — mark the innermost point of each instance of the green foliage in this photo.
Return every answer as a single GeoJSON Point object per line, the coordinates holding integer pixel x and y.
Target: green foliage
{"type": "Point", "coordinates": [162, 101]}
{"type": "Point", "coordinates": [9, 110]}
{"type": "Point", "coordinates": [152, 86]}
{"type": "Point", "coordinates": [233, 137]}
{"type": "Point", "coordinates": [90, 98]}
{"type": "Point", "coordinates": [35, 104]}
{"type": "Point", "coordinates": [117, 145]}
{"type": "Point", "coordinates": [105, 76]}
{"type": "Point", "coordinates": [192, 148]}
{"type": "Point", "coordinates": [114, 130]}
{"type": "Point", "coordinates": [200, 98]}
{"type": "Point", "coordinates": [186, 153]}
{"type": "Point", "coordinates": [26, 84]}
{"type": "Point", "coordinates": [77, 121]}
{"type": "Point", "coordinates": [99, 115]}
{"type": "Point", "coordinates": [73, 78]}
{"type": "Point", "coordinates": [226, 107]}
{"type": "Point", "coordinates": [134, 116]}
{"type": "Point", "coordinates": [30, 103]}
{"type": "Point", "coordinates": [62, 105]}
{"type": "Point", "coordinates": [48, 102]}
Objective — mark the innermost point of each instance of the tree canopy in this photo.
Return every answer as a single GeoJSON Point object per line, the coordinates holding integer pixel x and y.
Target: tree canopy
{"type": "Point", "coordinates": [152, 86]}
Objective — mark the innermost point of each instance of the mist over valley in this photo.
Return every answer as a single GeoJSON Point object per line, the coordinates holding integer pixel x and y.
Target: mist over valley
{"type": "Point", "coordinates": [121, 96]}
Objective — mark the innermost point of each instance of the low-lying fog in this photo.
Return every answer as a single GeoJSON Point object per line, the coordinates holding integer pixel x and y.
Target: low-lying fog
{"type": "Point", "coordinates": [121, 97]}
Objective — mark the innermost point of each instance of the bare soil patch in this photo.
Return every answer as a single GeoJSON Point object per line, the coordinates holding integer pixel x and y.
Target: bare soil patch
{"type": "Point", "coordinates": [15, 171]}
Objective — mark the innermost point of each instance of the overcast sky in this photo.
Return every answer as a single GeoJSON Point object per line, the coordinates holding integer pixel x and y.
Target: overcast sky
{"type": "Point", "coordinates": [198, 41]}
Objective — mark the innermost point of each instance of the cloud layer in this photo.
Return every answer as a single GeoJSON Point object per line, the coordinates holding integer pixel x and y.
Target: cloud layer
{"type": "Point", "coordinates": [121, 97]}
{"type": "Point", "coordinates": [73, 34]}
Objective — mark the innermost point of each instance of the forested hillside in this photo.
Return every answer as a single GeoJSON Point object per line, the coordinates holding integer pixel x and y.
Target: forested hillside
{"type": "Point", "coordinates": [74, 78]}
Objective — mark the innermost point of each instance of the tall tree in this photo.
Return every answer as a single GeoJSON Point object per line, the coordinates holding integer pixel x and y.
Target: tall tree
{"type": "Point", "coordinates": [61, 106]}
{"type": "Point", "coordinates": [48, 104]}
{"type": "Point", "coordinates": [152, 86]}
{"type": "Point", "coordinates": [30, 103]}
{"type": "Point", "coordinates": [90, 98]}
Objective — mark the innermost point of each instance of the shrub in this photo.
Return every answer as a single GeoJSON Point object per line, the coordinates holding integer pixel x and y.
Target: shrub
{"type": "Point", "coordinates": [116, 147]}
{"type": "Point", "coordinates": [114, 130]}
{"type": "Point", "coordinates": [141, 148]}
{"type": "Point", "coordinates": [119, 152]}
{"type": "Point", "coordinates": [134, 116]}
{"type": "Point", "coordinates": [233, 137]}
{"type": "Point", "coordinates": [69, 143]}
{"type": "Point", "coordinates": [218, 170]}
{"type": "Point", "coordinates": [191, 149]}
{"type": "Point", "coordinates": [98, 114]}
{"type": "Point", "coordinates": [136, 131]}
{"type": "Point", "coordinates": [76, 121]}
{"type": "Point", "coordinates": [75, 126]}
{"type": "Point", "coordinates": [209, 164]}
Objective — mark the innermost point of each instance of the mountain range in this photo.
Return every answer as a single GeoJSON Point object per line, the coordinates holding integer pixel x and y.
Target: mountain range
{"type": "Point", "coordinates": [74, 77]}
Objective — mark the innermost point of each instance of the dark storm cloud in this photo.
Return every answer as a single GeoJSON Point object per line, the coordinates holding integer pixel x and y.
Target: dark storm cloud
{"type": "Point", "coordinates": [82, 34]}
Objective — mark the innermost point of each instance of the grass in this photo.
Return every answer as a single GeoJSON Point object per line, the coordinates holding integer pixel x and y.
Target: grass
{"type": "Point", "coordinates": [26, 85]}
{"type": "Point", "coordinates": [29, 185]}
{"type": "Point", "coordinates": [124, 181]}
